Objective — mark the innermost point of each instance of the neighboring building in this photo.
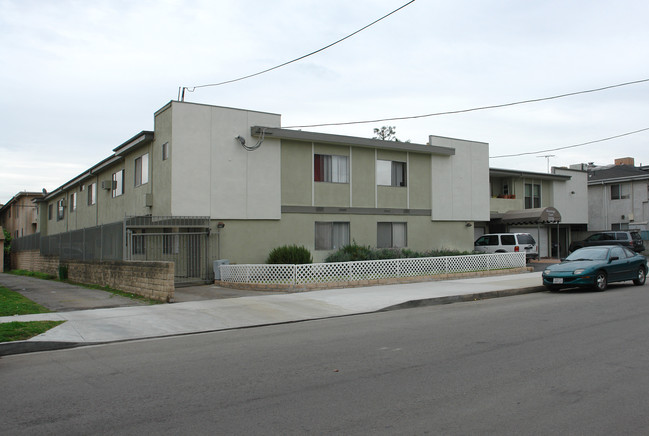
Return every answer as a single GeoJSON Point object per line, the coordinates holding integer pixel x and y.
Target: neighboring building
{"type": "Point", "coordinates": [544, 205]}
{"type": "Point", "coordinates": [618, 196]}
{"type": "Point", "coordinates": [243, 185]}
{"type": "Point", "coordinates": [19, 216]}
{"type": "Point", "coordinates": [2, 250]}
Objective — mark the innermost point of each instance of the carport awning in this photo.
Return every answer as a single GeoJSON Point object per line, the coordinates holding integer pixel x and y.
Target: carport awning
{"type": "Point", "coordinates": [541, 215]}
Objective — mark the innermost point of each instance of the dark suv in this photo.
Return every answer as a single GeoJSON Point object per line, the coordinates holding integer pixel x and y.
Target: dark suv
{"type": "Point", "coordinates": [630, 240]}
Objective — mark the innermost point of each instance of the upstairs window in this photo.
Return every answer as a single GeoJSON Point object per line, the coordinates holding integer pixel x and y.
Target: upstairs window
{"type": "Point", "coordinates": [49, 211]}
{"type": "Point", "coordinates": [118, 184]}
{"type": "Point", "coordinates": [619, 191]}
{"type": "Point", "coordinates": [392, 235]}
{"type": "Point", "coordinates": [390, 173]}
{"type": "Point", "coordinates": [330, 168]}
{"type": "Point", "coordinates": [73, 202]}
{"type": "Point", "coordinates": [532, 196]}
{"type": "Point", "coordinates": [92, 194]}
{"type": "Point", "coordinates": [142, 170]}
{"type": "Point", "coordinates": [60, 209]}
{"type": "Point", "coordinates": [165, 151]}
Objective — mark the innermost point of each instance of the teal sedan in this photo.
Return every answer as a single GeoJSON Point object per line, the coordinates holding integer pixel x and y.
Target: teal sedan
{"type": "Point", "coordinates": [596, 267]}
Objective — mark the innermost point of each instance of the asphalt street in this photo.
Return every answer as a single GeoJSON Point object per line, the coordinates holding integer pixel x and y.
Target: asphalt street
{"type": "Point", "coordinates": [546, 363]}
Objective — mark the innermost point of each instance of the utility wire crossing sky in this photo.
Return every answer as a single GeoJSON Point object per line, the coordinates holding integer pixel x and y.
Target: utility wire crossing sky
{"type": "Point", "coordinates": [83, 77]}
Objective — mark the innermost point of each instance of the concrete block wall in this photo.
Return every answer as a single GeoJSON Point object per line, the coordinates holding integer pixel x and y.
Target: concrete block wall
{"type": "Point", "coordinates": [154, 280]}
{"type": "Point", "coordinates": [31, 260]}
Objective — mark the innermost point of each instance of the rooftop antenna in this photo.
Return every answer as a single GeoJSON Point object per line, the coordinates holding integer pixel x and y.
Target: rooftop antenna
{"type": "Point", "coordinates": [547, 158]}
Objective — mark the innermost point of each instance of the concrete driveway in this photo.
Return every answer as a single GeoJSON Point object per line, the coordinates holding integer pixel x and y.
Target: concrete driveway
{"type": "Point", "coordinates": [64, 297]}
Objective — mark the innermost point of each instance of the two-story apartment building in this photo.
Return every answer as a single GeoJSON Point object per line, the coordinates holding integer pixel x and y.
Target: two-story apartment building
{"type": "Point", "coordinates": [618, 196]}
{"type": "Point", "coordinates": [550, 206]}
{"type": "Point", "coordinates": [246, 185]}
{"type": "Point", "coordinates": [19, 216]}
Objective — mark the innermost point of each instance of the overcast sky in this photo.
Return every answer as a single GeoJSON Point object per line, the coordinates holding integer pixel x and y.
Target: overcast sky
{"type": "Point", "coordinates": [81, 77]}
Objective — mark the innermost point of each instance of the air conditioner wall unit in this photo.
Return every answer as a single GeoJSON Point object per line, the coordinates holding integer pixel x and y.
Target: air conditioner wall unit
{"type": "Point", "coordinates": [108, 185]}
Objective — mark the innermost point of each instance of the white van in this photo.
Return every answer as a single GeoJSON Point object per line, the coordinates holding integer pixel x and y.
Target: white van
{"type": "Point", "coordinates": [507, 243]}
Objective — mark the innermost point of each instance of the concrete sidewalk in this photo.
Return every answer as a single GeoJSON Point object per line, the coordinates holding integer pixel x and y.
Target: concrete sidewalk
{"type": "Point", "coordinates": [86, 327]}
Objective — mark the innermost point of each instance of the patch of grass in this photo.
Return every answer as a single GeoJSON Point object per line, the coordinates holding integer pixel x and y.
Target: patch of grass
{"type": "Point", "coordinates": [12, 303]}
{"type": "Point", "coordinates": [36, 274]}
{"type": "Point", "coordinates": [20, 331]}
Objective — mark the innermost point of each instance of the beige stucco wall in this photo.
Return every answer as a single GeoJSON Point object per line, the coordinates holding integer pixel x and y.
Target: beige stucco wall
{"type": "Point", "coordinates": [107, 209]}
{"type": "Point", "coordinates": [299, 189]}
{"type": "Point", "coordinates": [252, 241]}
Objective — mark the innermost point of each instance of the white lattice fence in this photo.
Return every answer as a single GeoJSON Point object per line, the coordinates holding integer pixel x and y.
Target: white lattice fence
{"type": "Point", "coordinates": [262, 274]}
{"type": "Point", "coordinates": [368, 270]}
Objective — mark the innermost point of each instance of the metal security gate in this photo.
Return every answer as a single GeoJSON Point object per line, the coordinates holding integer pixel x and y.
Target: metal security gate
{"type": "Point", "coordinates": [182, 240]}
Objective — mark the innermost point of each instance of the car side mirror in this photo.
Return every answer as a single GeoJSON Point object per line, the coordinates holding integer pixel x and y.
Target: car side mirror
{"type": "Point", "coordinates": [614, 258]}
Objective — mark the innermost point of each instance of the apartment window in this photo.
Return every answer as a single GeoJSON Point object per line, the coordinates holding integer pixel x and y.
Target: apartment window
{"type": "Point", "coordinates": [92, 194]}
{"type": "Point", "coordinates": [165, 151]}
{"type": "Point", "coordinates": [60, 209]}
{"type": "Point", "coordinates": [390, 173]}
{"type": "Point", "coordinates": [392, 235]}
{"type": "Point", "coordinates": [142, 170]}
{"type": "Point", "coordinates": [118, 184]}
{"type": "Point", "coordinates": [532, 195]}
{"type": "Point", "coordinates": [50, 209]}
{"type": "Point", "coordinates": [619, 191]}
{"type": "Point", "coordinates": [620, 226]}
{"type": "Point", "coordinates": [334, 169]}
{"type": "Point", "coordinates": [17, 211]}
{"type": "Point", "coordinates": [331, 235]}
{"type": "Point", "coordinates": [73, 202]}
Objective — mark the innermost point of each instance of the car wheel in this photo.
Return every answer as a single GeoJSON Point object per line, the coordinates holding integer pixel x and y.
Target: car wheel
{"type": "Point", "coordinates": [641, 276]}
{"type": "Point", "coordinates": [601, 281]}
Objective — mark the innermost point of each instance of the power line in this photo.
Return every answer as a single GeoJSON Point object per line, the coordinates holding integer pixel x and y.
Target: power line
{"type": "Point", "coordinates": [534, 100]}
{"type": "Point", "coordinates": [191, 89]}
{"type": "Point", "coordinates": [571, 146]}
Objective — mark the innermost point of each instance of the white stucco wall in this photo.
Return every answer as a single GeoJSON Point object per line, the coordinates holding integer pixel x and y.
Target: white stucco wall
{"type": "Point", "coordinates": [213, 175]}
{"type": "Point", "coordinates": [460, 183]}
{"type": "Point", "coordinates": [571, 197]}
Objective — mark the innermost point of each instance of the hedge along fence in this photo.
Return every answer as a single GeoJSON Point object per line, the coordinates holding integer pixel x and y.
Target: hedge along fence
{"type": "Point", "coordinates": [363, 271]}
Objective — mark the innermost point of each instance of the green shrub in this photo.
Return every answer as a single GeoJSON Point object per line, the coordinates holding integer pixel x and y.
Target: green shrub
{"type": "Point", "coordinates": [290, 254]}
{"type": "Point", "coordinates": [351, 252]}
{"type": "Point", "coordinates": [355, 252]}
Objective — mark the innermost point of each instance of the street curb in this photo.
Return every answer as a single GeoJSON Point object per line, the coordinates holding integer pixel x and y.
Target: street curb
{"type": "Point", "coordinates": [437, 301]}
{"type": "Point", "coordinates": [23, 347]}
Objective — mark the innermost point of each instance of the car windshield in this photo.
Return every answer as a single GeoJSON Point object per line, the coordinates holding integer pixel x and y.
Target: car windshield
{"type": "Point", "coordinates": [589, 253]}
